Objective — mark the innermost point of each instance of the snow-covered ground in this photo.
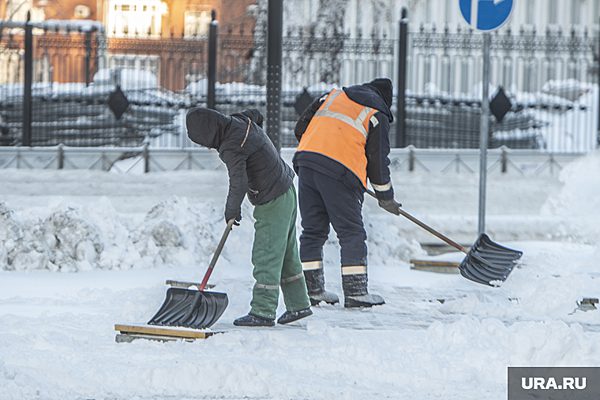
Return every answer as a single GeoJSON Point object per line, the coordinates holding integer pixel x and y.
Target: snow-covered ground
{"type": "Point", "coordinates": [81, 250]}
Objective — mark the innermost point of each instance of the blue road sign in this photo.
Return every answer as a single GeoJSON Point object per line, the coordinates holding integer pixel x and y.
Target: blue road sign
{"type": "Point", "coordinates": [486, 15]}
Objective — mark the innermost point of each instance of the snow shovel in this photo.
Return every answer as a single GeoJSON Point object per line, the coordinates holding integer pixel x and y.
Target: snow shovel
{"type": "Point", "coordinates": [192, 308]}
{"type": "Point", "coordinates": [486, 262]}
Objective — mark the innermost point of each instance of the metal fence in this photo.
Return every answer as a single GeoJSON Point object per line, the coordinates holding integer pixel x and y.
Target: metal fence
{"type": "Point", "coordinates": [550, 79]}
{"type": "Point", "coordinates": [144, 159]}
{"type": "Point", "coordinates": [88, 89]}
{"type": "Point", "coordinates": [85, 90]}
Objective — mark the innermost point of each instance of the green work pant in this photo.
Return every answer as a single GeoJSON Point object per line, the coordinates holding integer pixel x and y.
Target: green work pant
{"type": "Point", "coordinates": [275, 257]}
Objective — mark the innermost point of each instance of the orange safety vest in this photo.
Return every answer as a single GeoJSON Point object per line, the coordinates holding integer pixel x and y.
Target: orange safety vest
{"type": "Point", "coordinates": [339, 130]}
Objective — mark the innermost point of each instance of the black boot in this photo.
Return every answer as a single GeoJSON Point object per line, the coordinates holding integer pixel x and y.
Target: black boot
{"type": "Point", "coordinates": [356, 293]}
{"type": "Point", "coordinates": [253, 320]}
{"type": "Point", "coordinates": [291, 316]}
{"type": "Point", "coordinates": [315, 283]}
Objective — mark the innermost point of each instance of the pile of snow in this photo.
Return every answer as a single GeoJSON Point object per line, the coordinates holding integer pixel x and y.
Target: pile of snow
{"type": "Point", "coordinates": [74, 238]}
{"type": "Point", "coordinates": [578, 203]}
{"type": "Point", "coordinates": [127, 78]}
{"type": "Point", "coordinates": [232, 89]}
{"type": "Point", "coordinates": [387, 243]}
{"type": "Point", "coordinates": [174, 232]}
{"type": "Point", "coordinates": [574, 129]}
{"type": "Point", "coordinates": [69, 237]}
{"type": "Point", "coordinates": [569, 89]}
{"type": "Point", "coordinates": [568, 109]}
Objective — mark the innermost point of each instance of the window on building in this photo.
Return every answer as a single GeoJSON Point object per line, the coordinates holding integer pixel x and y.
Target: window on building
{"type": "Point", "coordinates": [428, 11]}
{"type": "Point", "coordinates": [553, 12]}
{"type": "Point", "coordinates": [530, 9]}
{"type": "Point", "coordinates": [196, 23]}
{"type": "Point", "coordinates": [576, 12]}
{"type": "Point", "coordinates": [130, 18]}
{"type": "Point", "coordinates": [445, 7]}
{"type": "Point", "coordinates": [16, 10]}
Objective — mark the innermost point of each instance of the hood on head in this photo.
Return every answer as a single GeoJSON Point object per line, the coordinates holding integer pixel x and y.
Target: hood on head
{"type": "Point", "coordinates": [384, 87]}
{"type": "Point", "coordinates": [375, 94]}
{"type": "Point", "coordinates": [253, 114]}
{"type": "Point", "coordinates": [206, 126]}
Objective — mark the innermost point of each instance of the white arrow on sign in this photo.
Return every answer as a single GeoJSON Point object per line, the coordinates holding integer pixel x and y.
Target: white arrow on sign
{"type": "Point", "coordinates": [475, 10]}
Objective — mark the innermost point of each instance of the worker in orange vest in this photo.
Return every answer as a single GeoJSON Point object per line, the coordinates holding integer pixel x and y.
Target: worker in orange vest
{"type": "Point", "coordinates": [343, 142]}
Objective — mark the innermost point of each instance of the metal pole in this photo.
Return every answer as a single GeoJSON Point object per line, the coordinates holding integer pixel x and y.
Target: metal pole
{"type": "Point", "coordinates": [401, 89]}
{"type": "Point", "coordinates": [274, 55]}
{"type": "Point", "coordinates": [88, 57]}
{"type": "Point", "coordinates": [485, 125]}
{"type": "Point", "coordinates": [598, 81]}
{"type": "Point", "coordinates": [60, 157]}
{"type": "Point", "coordinates": [146, 156]}
{"type": "Point", "coordinates": [212, 61]}
{"type": "Point", "coordinates": [27, 97]}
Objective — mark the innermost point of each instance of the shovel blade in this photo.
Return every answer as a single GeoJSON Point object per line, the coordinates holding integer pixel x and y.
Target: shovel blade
{"type": "Point", "coordinates": [190, 308]}
{"type": "Point", "coordinates": [488, 262]}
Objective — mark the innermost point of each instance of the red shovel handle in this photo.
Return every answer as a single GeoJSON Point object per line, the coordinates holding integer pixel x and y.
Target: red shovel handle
{"type": "Point", "coordinates": [216, 255]}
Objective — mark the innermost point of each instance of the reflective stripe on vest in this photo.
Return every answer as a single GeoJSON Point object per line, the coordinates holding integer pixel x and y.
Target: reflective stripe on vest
{"type": "Point", "coordinates": [339, 131]}
{"type": "Point", "coordinates": [358, 123]}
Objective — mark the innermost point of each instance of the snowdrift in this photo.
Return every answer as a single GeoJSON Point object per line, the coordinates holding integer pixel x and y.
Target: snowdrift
{"type": "Point", "coordinates": [70, 237]}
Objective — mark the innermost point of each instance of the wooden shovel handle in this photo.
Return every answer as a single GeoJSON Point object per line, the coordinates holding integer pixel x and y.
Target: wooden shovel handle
{"type": "Point", "coordinates": [426, 227]}
{"type": "Point", "coordinates": [216, 255]}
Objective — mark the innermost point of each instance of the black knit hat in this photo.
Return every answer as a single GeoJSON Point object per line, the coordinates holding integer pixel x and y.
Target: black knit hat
{"type": "Point", "coordinates": [384, 87]}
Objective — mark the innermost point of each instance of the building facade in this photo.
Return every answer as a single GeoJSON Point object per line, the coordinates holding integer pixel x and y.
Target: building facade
{"type": "Point", "coordinates": [340, 41]}
{"type": "Point", "coordinates": [362, 17]}
{"type": "Point", "coordinates": [167, 38]}
{"type": "Point", "coordinates": [552, 37]}
{"type": "Point", "coordinates": [133, 18]}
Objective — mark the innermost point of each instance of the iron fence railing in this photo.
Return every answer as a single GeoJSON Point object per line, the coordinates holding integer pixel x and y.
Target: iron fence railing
{"type": "Point", "coordinates": [89, 89]}
{"type": "Point", "coordinates": [145, 159]}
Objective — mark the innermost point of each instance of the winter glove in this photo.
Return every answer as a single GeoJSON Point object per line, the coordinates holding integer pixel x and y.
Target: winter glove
{"type": "Point", "coordinates": [391, 206]}
{"type": "Point", "coordinates": [236, 218]}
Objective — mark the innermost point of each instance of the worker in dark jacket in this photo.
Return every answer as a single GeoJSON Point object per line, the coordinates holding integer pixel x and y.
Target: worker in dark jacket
{"type": "Point", "coordinates": [256, 169]}
{"type": "Point", "coordinates": [344, 140]}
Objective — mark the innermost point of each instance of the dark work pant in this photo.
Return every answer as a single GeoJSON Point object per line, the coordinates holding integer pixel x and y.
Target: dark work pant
{"type": "Point", "coordinates": [324, 200]}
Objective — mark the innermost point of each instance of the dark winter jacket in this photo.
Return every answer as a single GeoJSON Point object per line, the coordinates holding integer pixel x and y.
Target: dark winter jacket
{"type": "Point", "coordinates": [378, 95]}
{"type": "Point", "coordinates": [254, 165]}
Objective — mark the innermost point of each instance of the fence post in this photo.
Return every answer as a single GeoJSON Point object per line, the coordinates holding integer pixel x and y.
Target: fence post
{"type": "Point", "coordinates": [212, 61]}
{"type": "Point", "coordinates": [503, 160]}
{"type": "Point", "coordinates": [274, 50]}
{"type": "Point", "coordinates": [598, 80]}
{"type": "Point", "coordinates": [146, 156]}
{"type": "Point", "coordinates": [401, 84]}
{"type": "Point", "coordinates": [88, 57]}
{"type": "Point", "coordinates": [27, 97]}
{"type": "Point", "coordinates": [60, 157]}
{"type": "Point", "coordinates": [411, 158]}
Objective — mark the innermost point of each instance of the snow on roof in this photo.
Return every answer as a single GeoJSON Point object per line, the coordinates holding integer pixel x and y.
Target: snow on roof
{"type": "Point", "coordinates": [83, 25]}
{"type": "Point", "coordinates": [71, 25]}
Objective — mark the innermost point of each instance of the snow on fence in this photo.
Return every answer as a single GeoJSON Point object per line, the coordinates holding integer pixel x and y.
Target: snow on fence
{"type": "Point", "coordinates": [561, 118]}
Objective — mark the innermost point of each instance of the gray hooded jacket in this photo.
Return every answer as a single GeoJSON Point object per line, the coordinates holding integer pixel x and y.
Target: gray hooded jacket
{"type": "Point", "coordinates": [254, 165]}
